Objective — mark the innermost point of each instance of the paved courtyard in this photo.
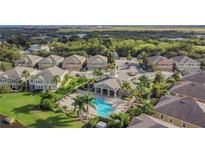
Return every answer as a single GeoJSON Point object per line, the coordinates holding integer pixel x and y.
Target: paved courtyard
{"type": "Point", "coordinates": [118, 104]}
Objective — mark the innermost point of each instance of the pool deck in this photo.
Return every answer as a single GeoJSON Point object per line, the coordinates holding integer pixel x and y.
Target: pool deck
{"type": "Point", "coordinates": [118, 104]}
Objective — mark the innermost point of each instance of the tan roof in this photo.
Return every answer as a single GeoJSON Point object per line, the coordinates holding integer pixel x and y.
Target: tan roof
{"type": "Point", "coordinates": [155, 59]}
{"type": "Point", "coordinates": [54, 58]}
{"type": "Point", "coordinates": [76, 57]}
{"type": "Point", "coordinates": [184, 59]}
{"type": "Point", "coordinates": [15, 73]}
{"type": "Point", "coordinates": [112, 83]}
{"type": "Point", "coordinates": [100, 57]}
{"type": "Point", "coordinates": [33, 58]}
{"type": "Point", "coordinates": [49, 73]}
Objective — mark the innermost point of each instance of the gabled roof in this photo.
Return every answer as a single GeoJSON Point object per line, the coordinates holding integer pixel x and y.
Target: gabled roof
{"type": "Point", "coordinates": [15, 73]}
{"type": "Point", "coordinates": [145, 121]}
{"type": "Point", "coordinates": [196, 90]}
{"type": "Point", "coordinates": [49, 73]}
{"type": "Point", "coordinates": [156, 59]}
{"type": "Point", "coordinates": [112, 83]}
{"type": "Point", "coordinates": [54, 58]}
{"type": "Point", "coordinates": [184, 59]}
{"type": "Point", "coordinates": [196, 77]}
{"type": "Point", "coordinates": [98, 57]}
{"type": "Point", "coordinates": [76, 57]}
{"type": "Point", "coordinates": [183, 109]}
{"type": "Point", "coordinates": [33, 58]}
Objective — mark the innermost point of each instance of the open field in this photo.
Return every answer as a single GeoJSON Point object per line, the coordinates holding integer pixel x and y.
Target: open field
{"type": "Point", "coordinates": [24, 108]}
{"type": "Point", "coordinates": [200, 29]}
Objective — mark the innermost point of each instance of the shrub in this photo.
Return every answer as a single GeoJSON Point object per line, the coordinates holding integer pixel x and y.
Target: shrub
{"type": "Point", "coordinates": [48, 102]}
{"type": "Point", "coordinates": [92, 123]}
{"type": "Point", "coordinates": [120, 120]}
{"type": "Point", "coordinates": [4, 89]}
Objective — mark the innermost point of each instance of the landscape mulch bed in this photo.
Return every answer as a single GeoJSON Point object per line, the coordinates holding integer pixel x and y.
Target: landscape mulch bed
{"type": "Point", "coordinates": [5, 125]}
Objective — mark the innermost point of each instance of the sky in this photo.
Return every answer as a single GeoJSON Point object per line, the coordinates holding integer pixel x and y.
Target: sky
{"type": "Point", "coordinates": [102, 12]}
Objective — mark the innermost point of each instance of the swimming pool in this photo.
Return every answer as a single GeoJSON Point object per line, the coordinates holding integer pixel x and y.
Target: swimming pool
{"type": "Point", "coordinates": [103, 108]}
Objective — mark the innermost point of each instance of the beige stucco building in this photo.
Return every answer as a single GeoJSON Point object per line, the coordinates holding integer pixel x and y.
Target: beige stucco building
{"type": "Point", "coordinates": [28, 61]}
{"type": "Point", "coordinates": [44, 79]}
{"type": "Point", "coordinates": [73, 63]}
{"type": "Point", "coordinates": [13, 77]}
{"type": "Point", "coordinates": [97, 61]}
{"type": "Point", "coordinates": [50, 61]}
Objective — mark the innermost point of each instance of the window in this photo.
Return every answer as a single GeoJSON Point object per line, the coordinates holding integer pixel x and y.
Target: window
{"type": "Point", "coordinates": [162, 117]}
{"type": "Point", "coordinates": [183, 124]}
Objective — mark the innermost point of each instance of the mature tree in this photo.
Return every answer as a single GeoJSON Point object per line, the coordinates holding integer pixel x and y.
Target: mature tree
{"type": "Point", "coordinates": [120, 120]}
{"type": "Point", "coordinates": [97, 72]}
{"type": "Point", "coordinates": [145, 81]}
{"type": "Point", "coordinates": [4, 66]}
{"type": "Point", "coordinates": [159, 89]}
{"type": "Point", "coordinates": [159, 78]}
{"type": "Point", "coordinates": [146, 107]}
{"type": "Point", "coordinates": [129, 57]}
{"type": "Point", "coordinates": [111, 57]}
{"type": "Point", "coordinates": [82, 104]}
{"type": "Point", "coordinates": [126, 86]}
{"type": "Point", "coordinates": [25, 75]}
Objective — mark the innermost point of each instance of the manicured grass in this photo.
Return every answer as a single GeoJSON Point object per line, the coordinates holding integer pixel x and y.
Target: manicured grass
{"type": "Point", "coordinates": [24, 108]}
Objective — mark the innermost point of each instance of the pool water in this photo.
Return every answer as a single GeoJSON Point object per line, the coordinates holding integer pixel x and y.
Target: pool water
{"type": "Point", "coordinates": [103, 108]}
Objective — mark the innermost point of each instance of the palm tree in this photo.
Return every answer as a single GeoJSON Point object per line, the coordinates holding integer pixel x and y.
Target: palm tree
{"type": "Point", "coordinates": [120, 120]}
{"type": "Point", "coordinates": [78, 105]}
{"type": "Point", "coordinates": [146, 107]}
{"type": "Point", "coordinates": [25, 75]}
{"type": "Point", "coordinates": [87, 99]}
{"type": "Point", "coordinates": [159, 78]}
{"type": "Point", "coordinates": [126, 86]}
{"type": "Point", "coordinates": [145, 81]}
{"type": "Point", "coordinates": [82, 103]}
{"type": "Point", "coordinates": [159, 89]}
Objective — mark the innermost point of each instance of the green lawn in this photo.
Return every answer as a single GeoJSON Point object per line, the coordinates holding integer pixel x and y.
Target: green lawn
{"type": "Point", "coordinates": [24, 108]}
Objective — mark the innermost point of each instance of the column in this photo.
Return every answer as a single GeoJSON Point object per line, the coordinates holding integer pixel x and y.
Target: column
{"type": "Point", "coordinates": [101, 90]}
{"type": "Point", "coordinates": [108, 93]}
{"type": "Point", "coordinates": [115, 94]}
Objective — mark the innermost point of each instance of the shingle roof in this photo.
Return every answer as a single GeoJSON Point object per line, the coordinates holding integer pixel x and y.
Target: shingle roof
{"type": "Point", "coordinates": [183, 59]}
{"type": "Point", "coordinates": [156, 59]}
{"type": "Point", "coordinates": [15, 73]}
{"type": "Point", "coordinates": [196, 90]}
{"type": "Point", "coordinates": [196, 77]}
{"type": "Point", "coordinates": [183, 109]}
{"type": "Point", "coordinates": [114, 83]}
{"type": "Point", "coordinates": [178, 58]}
{"type": "Point", "coordinates": [56, 58]}
{"type": "Point", "coordinates": [78, 57]}
{"type": "Point", "coordinates": [33, 58]}
{"type": "Point", "coordinates": [145, 121]}
{"type": "Point", "coordinates": [49, 73]}
{"type": "Point", "coordinates": [100, 57]}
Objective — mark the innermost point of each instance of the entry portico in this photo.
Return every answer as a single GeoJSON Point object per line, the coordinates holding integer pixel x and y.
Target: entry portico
{"type": "Point", "coordinates": [109, 87]}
